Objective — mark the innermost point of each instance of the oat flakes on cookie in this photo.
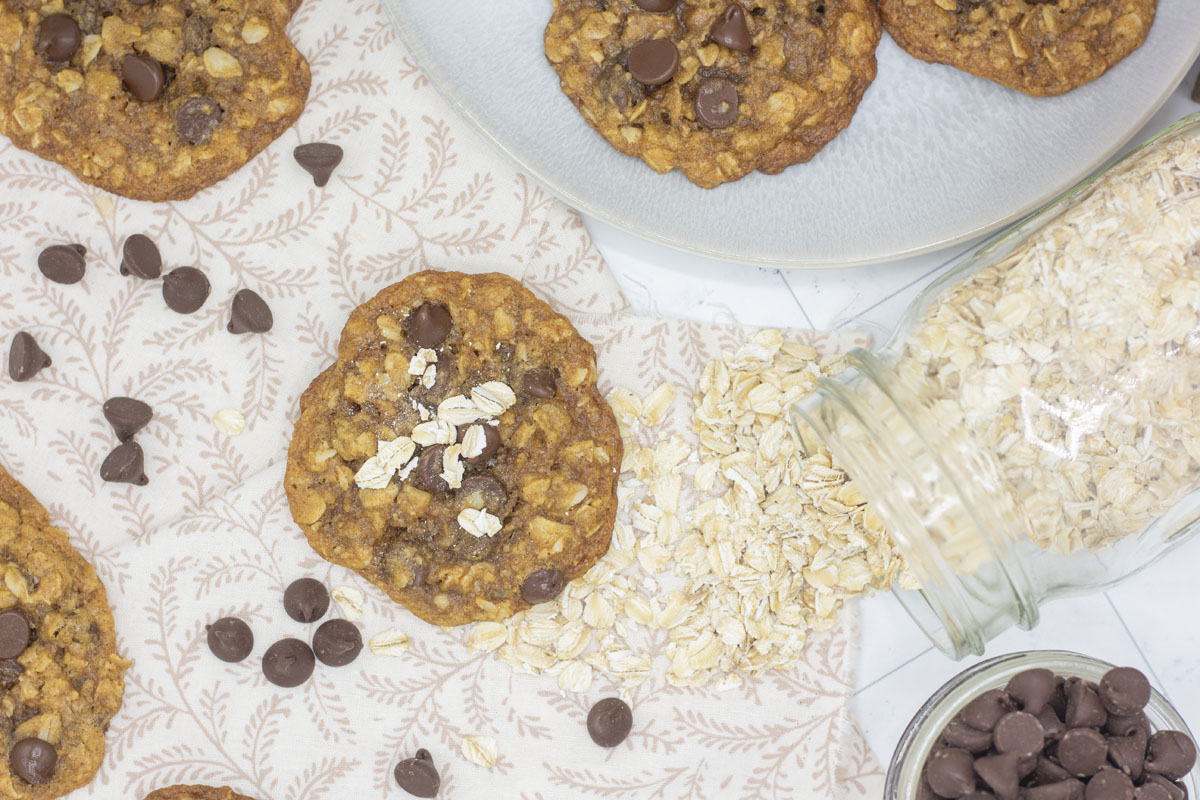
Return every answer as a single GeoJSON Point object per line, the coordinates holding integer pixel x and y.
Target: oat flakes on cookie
{"type": "Point", "coordinates": [60, 674]}
{"type": "Point", "coordinates": [153, 100]}
{"type": "Point", "coordinates": [458, 454]}
{"type": "Point", "coordinates": [195, 793]}
{"type": "Point", "coordinates": [715, 88]}
{"type": "Point", "coordinates": [1039, 47]}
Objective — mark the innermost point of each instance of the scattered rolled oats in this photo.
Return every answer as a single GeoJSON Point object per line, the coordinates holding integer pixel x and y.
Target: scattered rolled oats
{"type": "Point", "coordinates": [396, 453]}
{"type": "Point", "coordinates": [474, 442]}
{"type": "Point", "coordinates": [478, 522]}
{"type": "Point", "coordinates": [350, 600]}
{"type": "Point", "coordinates": [459, 410]}
{"type": "Point", "coordinates": [389, 643]}
{"type": "Point", "coordinates": [479, 749]}
{"type": "Point", "coordinates": [373, 474]}
{"type": "Point", "coordinates": [419, 363]}
{"type": "Point", "coordinates": [493, 398]}
{"type": "Point", "coordinates": [230, 421]}
{"type": "Point", "coordinates": [452, 466]}
{"type": "Point", "coordinates": [436, 431]}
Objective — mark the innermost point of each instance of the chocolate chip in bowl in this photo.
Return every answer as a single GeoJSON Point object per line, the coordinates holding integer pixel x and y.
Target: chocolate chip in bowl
{"type": "Point", "coordinates": [1038, 726]}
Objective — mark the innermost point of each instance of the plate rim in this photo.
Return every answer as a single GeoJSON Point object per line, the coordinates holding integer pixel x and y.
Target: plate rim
{"type": "Point", "coordinates": [439, 82]}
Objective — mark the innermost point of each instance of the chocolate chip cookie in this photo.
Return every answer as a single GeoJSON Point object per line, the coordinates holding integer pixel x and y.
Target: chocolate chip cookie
{"type": "Point", "coordinates": [60, 675]}
{"type": "Point", "coordinates": [715, 88]}
{"type": "Point", "coordinates": [458, 454]}
{"type": "Point", "coordinates": [1039, 47]}
{"type": "Point", "coordinates": [150, 100]}
{"type": "Point", "coordinates": [196, 793]}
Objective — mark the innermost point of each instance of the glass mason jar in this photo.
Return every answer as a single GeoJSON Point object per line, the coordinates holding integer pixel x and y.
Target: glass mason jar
{"type": "Point", "coordinates": [904, 773]}
{"type": "Point", "coordinates": [1031, 428]}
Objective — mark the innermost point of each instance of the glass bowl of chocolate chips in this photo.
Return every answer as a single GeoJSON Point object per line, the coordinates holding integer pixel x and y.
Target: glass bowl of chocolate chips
{"type": "Point", "coordinates": [1045, 725]}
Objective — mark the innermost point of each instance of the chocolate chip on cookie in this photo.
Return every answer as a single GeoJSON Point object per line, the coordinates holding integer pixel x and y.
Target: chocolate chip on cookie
{"type": "Point", "coordinates": [33, 760]}
{"type": "Point", "coordinates": [540, 382]}
{"type": "Point", "coordinates": [319, 159]}
{"type": "Point", "coordinates": [25, 358]}
{"type": "Point", "coordinates": [185, 289]}
{"type": "Point", "coordinates": [657, 6]}
{"type": "Point", "coordinates": [653, 62]}
{"type": "Point", "coordinates": [14, 633]}
{"type": "Point", "coordinates": [717, 103]}
{"type": "Point", "coordinates": [140, 258]}
{"type": "Point", "coordinates": [337, 642]}
{"type": "Point", "coordinates": [542, 586]}
{"type": "Point", "coordinates": [249, 313]}
{"type": "Point", "coordinates": [230, 639]}
{"type": "Point", "coordinates": [58, 37]}
{"type": "Point", "coordinates": [63, 263]}
{"type": "Point", "coordinates": [288, 663]}
{"type": "Point", "coordinates": [730, 29]}
{"type": "Point", "coordinates": [197, 118]}
{"type": "Point", "coordinates": [429, 325]}
{"type": "Point", "coordinates": [125, 464]}
{"type": "Point", "coordinates": [127, 416]}
{"type": "Point", "coordinates": [143, 77]}
{"type": "Point", "coordinates": [429, 470]}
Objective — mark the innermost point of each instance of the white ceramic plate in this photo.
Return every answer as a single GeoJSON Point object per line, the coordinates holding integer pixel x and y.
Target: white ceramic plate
{"type": "Point", "coordinates": [934, 156]}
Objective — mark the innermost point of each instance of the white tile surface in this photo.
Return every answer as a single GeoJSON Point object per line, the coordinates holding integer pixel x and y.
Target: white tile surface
{"type": "Point", "coordinates": [1151, 621]}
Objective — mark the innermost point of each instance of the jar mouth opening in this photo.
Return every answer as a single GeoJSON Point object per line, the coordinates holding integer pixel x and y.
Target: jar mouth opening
{"type": "Point", "coordinates": [941, 500]}
{"type": "Point", "coordinates": [908, 760]}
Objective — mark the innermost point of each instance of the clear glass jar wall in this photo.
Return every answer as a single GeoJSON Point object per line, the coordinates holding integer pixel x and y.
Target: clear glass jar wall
{"type": "Point", "coordinates": [1031, 428]}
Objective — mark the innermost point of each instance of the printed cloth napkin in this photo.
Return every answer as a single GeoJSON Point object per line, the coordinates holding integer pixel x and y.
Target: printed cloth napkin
{"type": "Point", "coordinates": [211, 534]}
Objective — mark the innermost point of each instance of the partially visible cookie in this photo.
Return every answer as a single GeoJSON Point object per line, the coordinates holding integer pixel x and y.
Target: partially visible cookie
{"type": "Point", "coordinates": [196, 793]}
{"type": "Point", "coordinates": [751, 84]}
{"type": "Point", "coordinates": [60, 675]}
{"type": "Point", "coordinates": [152, 101]}
{"type": "Point", "coordinates": [1039, 47]}
{"type": "Point", "coordinates": [458, 453]}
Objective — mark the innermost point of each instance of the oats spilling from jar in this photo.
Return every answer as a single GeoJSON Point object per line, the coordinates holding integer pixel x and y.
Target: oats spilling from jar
{"type": "Point", "coordinates": [731, 539]}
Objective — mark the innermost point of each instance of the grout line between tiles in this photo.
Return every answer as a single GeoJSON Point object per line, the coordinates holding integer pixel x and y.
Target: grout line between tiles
{"type": "Point", "coordinates": [858, 315]}
{"type": "Point", "coordinates": [892, 671]}
{"type": "Point", "coordinates": [1136, 645]}
{"type": "Point", "coordinates": [799, 305]}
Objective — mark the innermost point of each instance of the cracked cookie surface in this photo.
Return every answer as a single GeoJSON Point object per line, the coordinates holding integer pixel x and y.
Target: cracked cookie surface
{"type": "Point", "coordinates": [218, 81]}
{"type": "Point", "coordinates": [67, 683]}
{"type": "Point", "coordinates": [795, 69]}
{"type": "Point", "coordinates": [182, 792]}
{"type": "Point", "coordinates": [1041, 48]}
{"type": "Point", "coordinates": [458, 453]}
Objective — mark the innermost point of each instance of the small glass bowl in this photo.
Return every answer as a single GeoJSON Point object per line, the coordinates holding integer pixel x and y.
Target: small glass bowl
{"type": "Point", "coordinates": [904, 773]}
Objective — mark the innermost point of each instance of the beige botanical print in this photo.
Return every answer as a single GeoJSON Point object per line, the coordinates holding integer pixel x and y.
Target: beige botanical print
{"type": "Point", "coordinates": [211, 534]}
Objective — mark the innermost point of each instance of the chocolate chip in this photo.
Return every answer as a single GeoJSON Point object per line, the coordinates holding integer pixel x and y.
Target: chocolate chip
{"type": "Point", "coordinates": [230, 639]}
{"type": "Point", "coordinates": [143, 77]}
{"type": "Point", "coordinates": [337, 642]}
{"type": "Point", "coordinates": [1151, 791]}
{"type": "Point", "coordinates": [949, 772]}
{"type": "Point", "coordinates": [15, 633]}
{"type": "Point", "coordinates": [185, 289]}
{"type": "Point", "coordinates": [140, 257]}
{"type": "Point", "coordinates": [33, 760]}
{"type": "Point", "coordinates": [1019, 732]}
{"type": "Point", "coordinates": [1171, 754]}
{"type": "Point", "coordinates": [1108, 784]}
{"type": "Point", "coordinates": [1128, 753]}
{"type": "Point", "coordinates": [609, 722]}
{"type": "Point", "coordinates": [1084, 709]}
{"type": "Point", "coordinates": [1124, 691]}
{"type": "Point", "coordinates": [483, 491]}
{"type": "Point", "coordinates": [429, 325]}
{"type": "Point", "coordinates": [543, 585]}
{"type": "Point", "coordinates": [960, 734]}
{"type": "Point", "coordinates": [1052, 726]}
{"type": "Point", "coordinates": [25, 358]}
{"type": "Point", "coordinates": [418, 776]}
{"type": "Point", "coordinates": [1070, 789]}
{"type": "Point", "coordinates": [10, 673]}
{"type": "Point", "coordinates": [306, 600]}
{"type": "Point", "coordinates": [1082, 752]}
{"type": "Point", "coordinates": [979, 794]}
{"type": "Point", "coordinates": [491, 441]}
{"type": "Point", "coordinates": [249, 313]}
{"type": "Point", "coordinates": [730, 29]}
{"type": "Point", "coordinates": [58, 37]}
{"type": "Point", "coordinates": [429, 470]}
{"type": "Point", "coordinates": [1123, 726]}
{"type": "Point", "coordinates": [656, 6]}
{"type": "Point", "coordinates": [983, 712]}
{"type": "Point", "coordinates": [197, 119]}
{"type": "Point", "coordinates": [1048, 771]}
{"type": "Point", "coordinates": [127, 416]}
{"type": "Point", "coordinates": [1175, 790]}
{"type": "Point", "coordinates": [319, 159]}
{"type": "Point", "coordinates": [1032, 689]}
{"type": "Point", "coordinates": [63, 263]}
{"type": "Point", "coordinates": [716, 103]}
{"type": "Point", "coordinates": [288, 663]}
{"type": "Point", "coordinates": [653, 62]}
{"type": "Point", "coordinates": [1001, 774]}
{"type": "Point", "coordinates": [540, 382]}
{"type": "Point", "coordinates": [197, 34]}
{"type": "Point", "coordinates": [125, 464]}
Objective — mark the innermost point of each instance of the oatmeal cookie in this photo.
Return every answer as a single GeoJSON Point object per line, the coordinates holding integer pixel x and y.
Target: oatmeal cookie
{"type": "Point", "coordinates": [60, 675]}
{"type": "Point", "coordinates": [195, 793]}
{"type": "Point", "coordinates": [715, 88]}
{"type": "Point", "coordinates": [458, 454]}
{"type": "Point", "coordinates": [152, 101]}
{"type": "Point", "coordinates": [1039, 47]}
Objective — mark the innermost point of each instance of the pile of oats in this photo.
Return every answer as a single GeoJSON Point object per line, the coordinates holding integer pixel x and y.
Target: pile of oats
{"type": "Point", "coordinates": [731, 543]}
{"type": "Point", "coordinates": [1075, 359]}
